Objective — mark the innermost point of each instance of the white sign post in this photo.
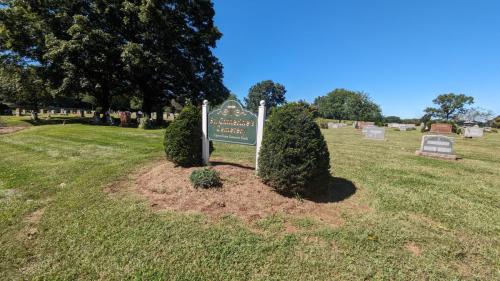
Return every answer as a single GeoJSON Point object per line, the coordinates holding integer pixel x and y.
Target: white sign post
{"type": "Point", "coordinates": [205, 144]}
{"type": "Point", "coordinates": [260, 131]}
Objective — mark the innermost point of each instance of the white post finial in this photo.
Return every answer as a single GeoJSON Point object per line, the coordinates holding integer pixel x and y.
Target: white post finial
{"type": "Point", "coordinates": [260, 131]}
{"type": "Point", "coordinates": [205, 145]}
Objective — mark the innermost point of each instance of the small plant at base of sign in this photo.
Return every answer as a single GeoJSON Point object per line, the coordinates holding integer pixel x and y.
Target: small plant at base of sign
{"type": "Point", "coordinates": [205, 178]}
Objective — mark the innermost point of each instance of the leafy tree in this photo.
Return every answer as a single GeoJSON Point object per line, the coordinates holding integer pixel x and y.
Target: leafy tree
{"type": "Point", "coordinates": [476, 114]}
{"type": "Point", "coordinates": [392, 119]}
{"type": "Point", "coordinates": [361, 108]}
{"type": "Point", "coordinates": [21, 86]}
{"type": "Point", "coordinates": [334, 104]}
{"type": "Point", "coordinates": [168, 52]}
{"type": "Point", "coordinates": [272, 93]}
{"type": "Point", "coordinates": [449, 106]}
{"type": "Point", "coordinates": [153, 50]}
{"type": "Point", "coordinates": [345, 104]}
{"type": "Point", "coordinates": [495, 123]}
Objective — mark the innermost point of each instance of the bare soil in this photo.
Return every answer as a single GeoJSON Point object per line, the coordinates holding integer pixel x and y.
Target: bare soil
{"type": "Point", "coordinates": [243, 195]}
{"type": "Point", "coordinates": [8, 130]}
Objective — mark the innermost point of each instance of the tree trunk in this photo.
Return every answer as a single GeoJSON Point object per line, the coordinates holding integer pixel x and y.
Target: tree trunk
{"type": "Point", "coordinates": [159, 116]}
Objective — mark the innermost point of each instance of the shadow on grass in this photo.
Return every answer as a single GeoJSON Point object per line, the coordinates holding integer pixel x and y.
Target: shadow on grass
{"type": "Point", "coordinates": [221, 163]}
{"type": "Point", "coordinates": [329, 190]}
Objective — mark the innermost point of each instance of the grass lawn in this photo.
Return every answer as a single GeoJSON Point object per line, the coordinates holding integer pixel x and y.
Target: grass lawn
{"type": "Point", "coordinates": [421, 218]}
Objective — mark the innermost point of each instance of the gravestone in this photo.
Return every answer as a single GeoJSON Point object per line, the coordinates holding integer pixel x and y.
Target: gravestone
{"type": "Point", "coordinates": [332, 125]}
{"type": "Point", "coordinates": [437, 146]}
{"type": "Point", "coordinates": [374, 133]}
{"type": "Point", "coordinates": [473, 132]}
{"type": "Point", "coordinates": [361, 125]}
{"type": "Point", "coordinates": [52, 112]}
{"type": "Point", "coordinates": [231, 123]}
{"type": "Point", "coordinates": [18, 112]}
{"type": "Point", "coordinates": [441, 128]}
{"type": "Point", "coordinates": [42, 112]}
{"type": "Point", "coordinates": [125, 117]}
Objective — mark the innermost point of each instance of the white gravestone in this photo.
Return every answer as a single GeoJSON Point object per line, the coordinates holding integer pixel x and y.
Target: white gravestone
{"type": "Point", "coordinates": [374, 133]}
{"type": "Point", "coordinates": [437, 146]}
{"type": "Point", "coordinates": [335, 125]}
{"type": "Point", "coordinates": [474, 132]}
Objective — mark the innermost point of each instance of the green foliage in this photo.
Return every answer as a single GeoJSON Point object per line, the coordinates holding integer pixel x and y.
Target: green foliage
{"type": "Point", "coordinates": [154, 50]}
{"type": "Point", "coordinates": [322, 123]}
{"type": "Point", "coordinates": [272, 93]}
{"type": "Point", "coordinates": [449, 106]}
{"type": "Point", "coordinates": [392, 119]}
{"type": "Point", "coordinates": [183, 138]}
{"type": "Point", "coordinates": [205, 178]}
{"type": "Point", "coordinates": [293, 153]}
{"type": "Point", "coordinates": [342, 104]}
{"type": "Point", "coordinates": [495, 123]}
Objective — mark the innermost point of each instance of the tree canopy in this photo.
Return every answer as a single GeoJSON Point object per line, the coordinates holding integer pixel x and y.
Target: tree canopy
{"type": "Point", "coordinates": [272, 93]}
{"type": "Point", "coordinates": [156, 51]}
{"type": "Point", "coordinates": [345, 104]}
{"type": "Point", "coordinates": [449, 106]}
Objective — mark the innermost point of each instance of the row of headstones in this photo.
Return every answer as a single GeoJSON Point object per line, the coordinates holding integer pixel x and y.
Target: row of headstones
{"type": "Point", "coordinates": [20, 112]}
{"type": "Point", "coordinates": [373, 132]}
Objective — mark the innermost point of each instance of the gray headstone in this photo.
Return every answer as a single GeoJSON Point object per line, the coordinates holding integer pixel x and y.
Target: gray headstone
{"type": "Point", "coordinates": [473, 132]}
{"type": "Point", "coordinates": [332, 125]}
{"type": "Point", "coordinates": [437, 144]}
{"type": "Point", "coordinates": [375, 133]}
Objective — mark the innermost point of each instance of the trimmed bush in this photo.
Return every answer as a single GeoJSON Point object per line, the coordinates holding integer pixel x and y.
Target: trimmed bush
{"type": "Point", "coordinates": [205, 178]}
{"type": "Point", "coordinates": [294, 153]}
{"type": "Point", "coordinates": [183, 138]}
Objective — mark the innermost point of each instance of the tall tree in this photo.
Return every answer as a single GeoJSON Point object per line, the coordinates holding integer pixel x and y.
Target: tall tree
{"type": "Point", "coordinates": [168, 54]}
{"type": "Point", "coordinates": [449, 106]}
{"type": "Point", "coordinates": [345, 104]}
{"type": "Point", "coordinates": [21, 85]}
{"type": "Point", "coordinates": [334, 104]}
{"type": "Point", "coordinates": [362, 108]}
{"type": "Point", "coordinates": [476, 114]}
{"type": "Point", "coordinates": [155, 50]}
{"type": "Point", "coordinates": [272, 93]}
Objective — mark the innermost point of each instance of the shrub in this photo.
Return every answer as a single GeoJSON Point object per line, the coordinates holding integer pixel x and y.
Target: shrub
{"type": "Point", "coordinates": [294, 153]}
{"type": "Point", "coordinates": [183, 138]}
{"type": "Point", "coordinates": [205, 178]}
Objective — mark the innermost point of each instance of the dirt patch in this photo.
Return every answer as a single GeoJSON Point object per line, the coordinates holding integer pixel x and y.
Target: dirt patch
{"type": "Point", "coordinates": [9, 130]}
{"type": "Point", "coordinates": [242, 195]}
{"type": "Point", "coordinates": [31, 220]}
{"type": "Point", "coordinates": [414, 249]}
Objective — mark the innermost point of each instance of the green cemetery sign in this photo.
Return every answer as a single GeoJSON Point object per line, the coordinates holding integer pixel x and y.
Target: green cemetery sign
{"type": "Point", "coordinates": [231, 123]}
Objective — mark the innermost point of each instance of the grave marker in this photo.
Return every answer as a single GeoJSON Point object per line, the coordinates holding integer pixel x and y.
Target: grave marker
{"type": "Point", "coordinates": [473, 132]}
{"type": "Point", "coordinates": [374, 133]}
{"type": "Point", "coordinates": [441, 128]}
{"type": "Point", "coordinates": [332, 125]}
{"type": "Point", "coordinates": [437, 146]}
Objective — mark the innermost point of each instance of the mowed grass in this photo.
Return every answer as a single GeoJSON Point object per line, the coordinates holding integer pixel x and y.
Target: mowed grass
{"type": "Point", "coordinates": [411, 218]}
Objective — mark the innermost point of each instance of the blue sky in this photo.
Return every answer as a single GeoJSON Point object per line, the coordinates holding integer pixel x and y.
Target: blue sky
{"type": "Point", "coordinates": [402, 53]}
